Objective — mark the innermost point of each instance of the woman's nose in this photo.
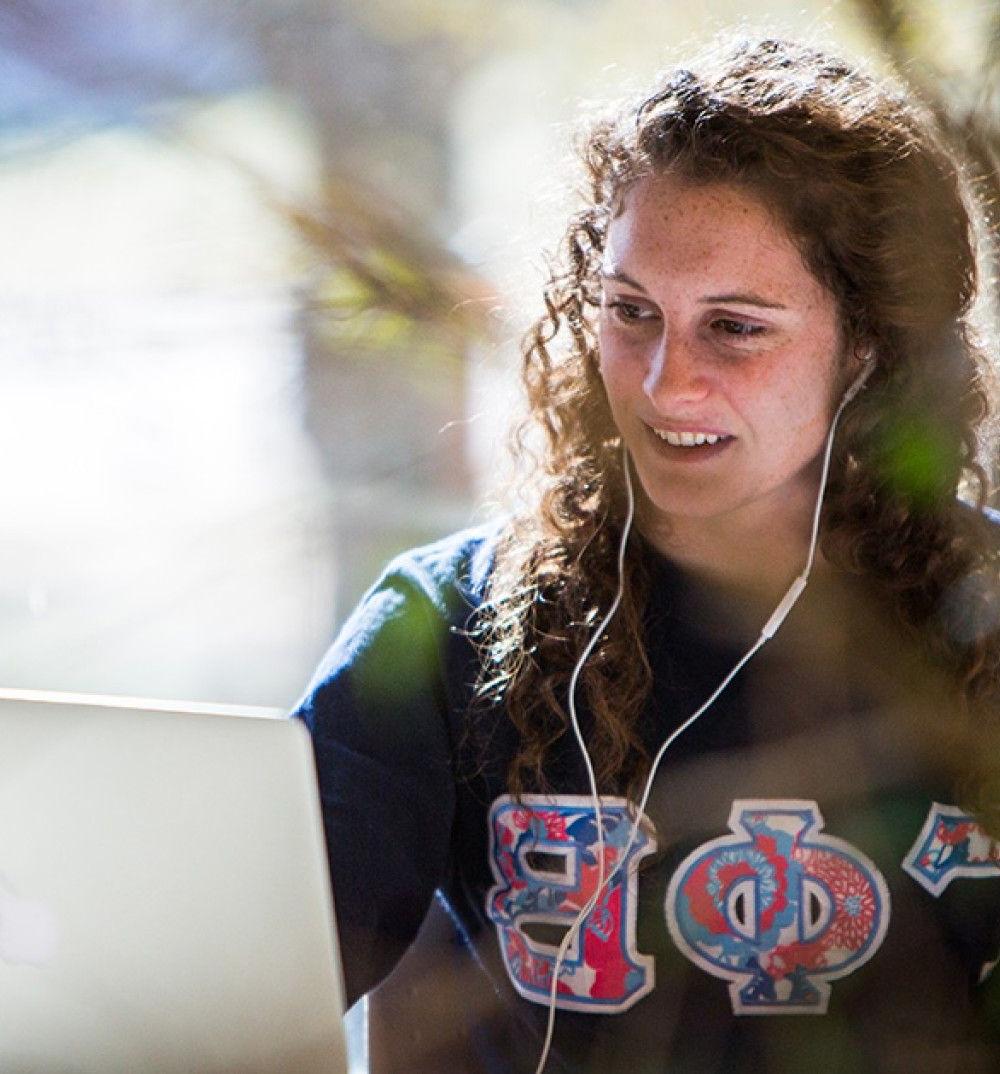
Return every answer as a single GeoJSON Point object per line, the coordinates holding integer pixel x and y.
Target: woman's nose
{"type": "Point", "coordinates": [675, 375]}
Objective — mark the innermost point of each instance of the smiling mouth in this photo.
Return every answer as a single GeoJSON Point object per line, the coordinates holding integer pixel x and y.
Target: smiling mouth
{"type": "Point", "coordinates": [690, 441]}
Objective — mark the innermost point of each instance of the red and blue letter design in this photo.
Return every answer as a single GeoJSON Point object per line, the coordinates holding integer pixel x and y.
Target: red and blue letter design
{"type": "Point", "coordinates": [951, 844]}
{"type": "Point", "coordinates": [543, 852]}
{"type": "Point", "coordinates": [778, 908]}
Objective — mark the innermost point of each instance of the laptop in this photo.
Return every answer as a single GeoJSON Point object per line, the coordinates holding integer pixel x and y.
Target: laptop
{"type": "Point", "coordinates": [165, 904]}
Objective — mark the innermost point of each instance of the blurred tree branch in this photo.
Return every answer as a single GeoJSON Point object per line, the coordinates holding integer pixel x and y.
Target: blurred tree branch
{"type": "Point", "coordinates": [376, 257]}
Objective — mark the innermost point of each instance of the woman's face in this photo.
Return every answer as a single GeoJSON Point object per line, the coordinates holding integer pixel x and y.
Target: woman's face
{"type": "Point", "coordinates": [720, 353]}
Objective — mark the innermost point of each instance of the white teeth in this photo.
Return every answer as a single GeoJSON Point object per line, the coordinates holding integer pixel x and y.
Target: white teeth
{"type": "Point", "coordinates": [687, 439]}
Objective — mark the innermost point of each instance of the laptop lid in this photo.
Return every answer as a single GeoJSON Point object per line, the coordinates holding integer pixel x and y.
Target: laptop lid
{"type": "Point", "coordinates": [164, 898]}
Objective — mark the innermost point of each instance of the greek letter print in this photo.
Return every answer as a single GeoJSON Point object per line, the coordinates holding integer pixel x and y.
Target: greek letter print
{"type": "Point", "coordinates": [951, 844]}
{"type": "Point", "coordinates": [543, 853]}
{"type": "Point", "coordinates": [778, 909]}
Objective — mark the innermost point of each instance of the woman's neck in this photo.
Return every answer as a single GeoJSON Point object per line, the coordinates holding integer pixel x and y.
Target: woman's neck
{"type": "Point", "coordinates": [756, 555]}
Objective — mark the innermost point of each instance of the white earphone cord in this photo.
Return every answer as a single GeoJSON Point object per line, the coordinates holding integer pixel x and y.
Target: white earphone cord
{"type": "Point", "coordinates": [768, 631]}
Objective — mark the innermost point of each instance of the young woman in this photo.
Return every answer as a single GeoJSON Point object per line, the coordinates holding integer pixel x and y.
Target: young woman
{"type": "Point", "coordinates": [748, 608]}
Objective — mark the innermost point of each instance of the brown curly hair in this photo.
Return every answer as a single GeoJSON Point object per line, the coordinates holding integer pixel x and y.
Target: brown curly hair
{"type": "Point", "coordinates": [883, 217]}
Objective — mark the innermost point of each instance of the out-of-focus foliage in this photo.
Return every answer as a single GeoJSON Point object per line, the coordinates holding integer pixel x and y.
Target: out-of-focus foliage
{"type": "Point", "coordinates": [949, 53]}
{"type": "Point", "coordinates": [383, 276]}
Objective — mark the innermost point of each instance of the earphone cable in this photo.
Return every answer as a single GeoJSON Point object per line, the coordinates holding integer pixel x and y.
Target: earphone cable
{"type": "Point", "coordinates": [768, 631]}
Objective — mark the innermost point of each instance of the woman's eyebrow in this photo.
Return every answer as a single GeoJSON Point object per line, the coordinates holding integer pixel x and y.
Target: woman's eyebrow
{"type": "Point", "coordinates": [621, 277]}
{"type": "Point", "coordinates": [748, 298]}
{"type": "Point", "coordinates": [745, 299]}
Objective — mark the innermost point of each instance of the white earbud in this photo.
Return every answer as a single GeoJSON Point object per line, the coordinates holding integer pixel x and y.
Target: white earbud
{"type": "Point", "coordinates": [867, 368]}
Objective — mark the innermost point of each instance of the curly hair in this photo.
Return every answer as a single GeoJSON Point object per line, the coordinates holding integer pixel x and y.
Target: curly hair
{"type": "Point", "coordinates": [881, 213]}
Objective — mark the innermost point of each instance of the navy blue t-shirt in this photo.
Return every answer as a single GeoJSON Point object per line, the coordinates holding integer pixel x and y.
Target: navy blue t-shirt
{"type": "Point", "coordinates": [804, 894]}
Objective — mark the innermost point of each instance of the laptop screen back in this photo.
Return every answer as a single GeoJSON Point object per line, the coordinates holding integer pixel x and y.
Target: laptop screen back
{"type": "Point", "coordinates": [164, 899]}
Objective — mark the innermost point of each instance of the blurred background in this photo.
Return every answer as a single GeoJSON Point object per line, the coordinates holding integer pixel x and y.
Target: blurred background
{"type": "Point", "coordinates": [265, 265]}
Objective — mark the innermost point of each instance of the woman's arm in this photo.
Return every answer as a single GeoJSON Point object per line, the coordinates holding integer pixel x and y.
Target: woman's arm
{"type": "Point", "coordinates": [377, 714]}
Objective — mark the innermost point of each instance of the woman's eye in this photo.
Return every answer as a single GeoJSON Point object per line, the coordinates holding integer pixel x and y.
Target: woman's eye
{"type": "Point", "coordinates": [629, 312]}
{"type": "Point", "coordinates": [733, 326]}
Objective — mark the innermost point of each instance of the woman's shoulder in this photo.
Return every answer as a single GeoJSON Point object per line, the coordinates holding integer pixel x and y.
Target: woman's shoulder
{"type": "Point", "coordinates": [423, 597]}
{"type": "Point", "coordinates": [451, 573]}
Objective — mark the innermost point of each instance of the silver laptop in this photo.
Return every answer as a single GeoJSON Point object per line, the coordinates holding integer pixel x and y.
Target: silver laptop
{"type": "Point", "coordinates": [164, 899]}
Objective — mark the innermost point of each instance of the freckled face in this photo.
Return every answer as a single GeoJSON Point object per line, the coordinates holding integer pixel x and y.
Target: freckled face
{"type": "Point", "coordinates": [720, 353]}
